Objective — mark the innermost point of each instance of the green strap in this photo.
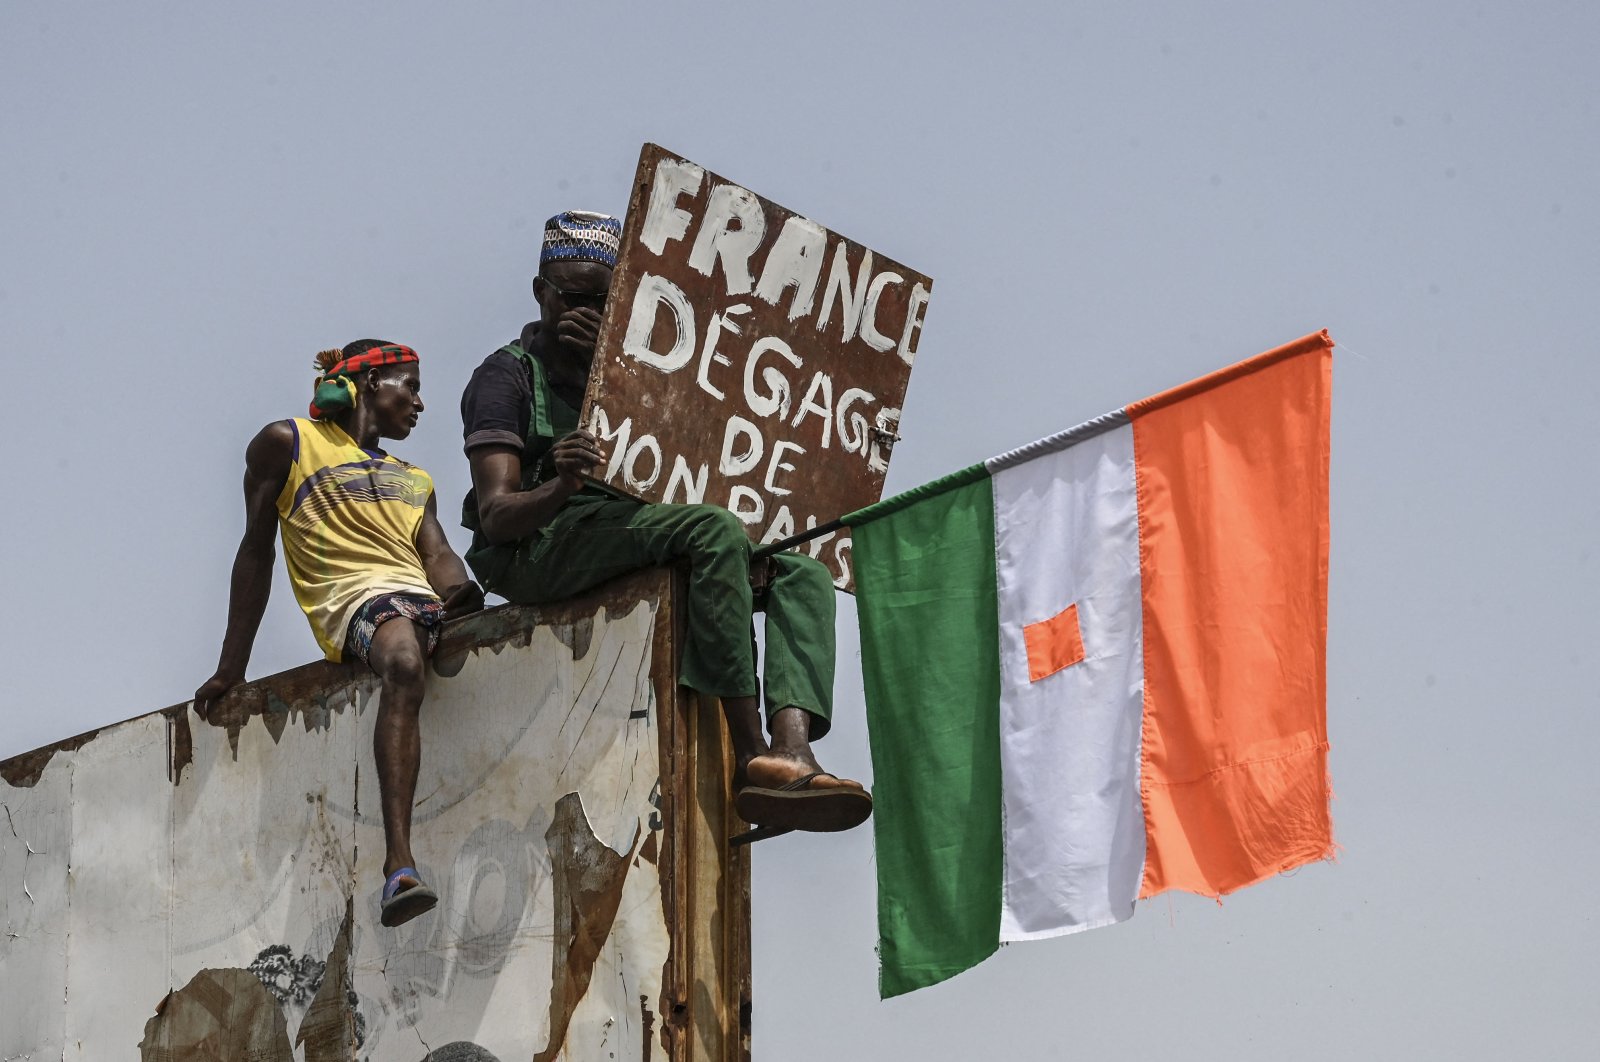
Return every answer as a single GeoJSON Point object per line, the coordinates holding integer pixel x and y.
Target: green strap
{"type": "Point", "coordinates": [542, 427]}
{"type": "Point", "coordinates": [539, 400]}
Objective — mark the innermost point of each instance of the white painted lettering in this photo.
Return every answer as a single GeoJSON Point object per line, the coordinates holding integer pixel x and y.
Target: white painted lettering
{"type": "Point", "coordinates": [732, 246]}
{"type": "Point", "coordinates": [720, 322]}
{"type": "Point", "coordinates": [630, 467]}
{"type": "Point", "coordinates": [821, 384]}
{"type": "Point", "coordinates": [778, 464]}
{"type": "Point", "coordinates": [692, 484]}
{"type": "Point", "coordinates": [853, 435]}
{"type": "Point", "coordinates": [733, 464]}
{"type": "Point", "coordinates": [782, 527]}
{"type": "Point", "coordinates": [914, 311]}
{"type": "Point", "coordinates": [869, 313]}
{"type": "Point", "coordinates": [652, 292]}
{"type": "Point", "coordinates": [795, 258]}
{"type": "Point", "coordinates": [746, 504]}
{"type": "Point", "coordinates": [841, 557]}
{"type": "Point", "coordinates": [814, 547]}
{"type": "Point", "coordinates": [600, 424]}
{"type": "Point", "coordinates": [776, 400]}
{"type": "Point", "coordinates": [852, 300]}
{"type": "Point", "coordinates": [664, 220]}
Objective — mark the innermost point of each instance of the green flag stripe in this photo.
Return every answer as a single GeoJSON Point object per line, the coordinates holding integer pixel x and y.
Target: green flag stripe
{"type": "Point", "coordinates": [925, 592]}
{"type": "Point", "coordinates": [928, 490]}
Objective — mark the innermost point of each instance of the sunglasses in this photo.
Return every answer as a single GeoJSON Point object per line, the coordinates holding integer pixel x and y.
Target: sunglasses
{"type": "Point", "coordinates": [594, 300]}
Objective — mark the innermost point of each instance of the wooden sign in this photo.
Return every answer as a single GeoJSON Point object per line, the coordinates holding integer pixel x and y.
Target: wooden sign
{"type": "Point", "coordinates": [750, 358]}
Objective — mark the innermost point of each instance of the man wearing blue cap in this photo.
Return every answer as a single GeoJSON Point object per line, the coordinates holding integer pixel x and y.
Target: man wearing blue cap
{"type": "Point", "coordinates": [541, 534]}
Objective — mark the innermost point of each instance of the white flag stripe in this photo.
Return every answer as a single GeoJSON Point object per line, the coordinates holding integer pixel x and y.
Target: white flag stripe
{"type": "Point", "coordinates": [1067, 532]}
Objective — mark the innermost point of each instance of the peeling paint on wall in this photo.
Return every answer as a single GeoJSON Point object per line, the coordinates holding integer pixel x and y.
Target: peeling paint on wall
{"type": "Point", "coordinates": [235, 860]}
{"type": "Point", "coordinates": [180, 742]}
{"type": "Point", "coordinates": [218, 1014]}
{"type": "Point", "coordinates": [24, 771]}
{"type": "Point", "coordinates": [333, 1029]}
{"type": "Point", "coordinates": [587, 878]}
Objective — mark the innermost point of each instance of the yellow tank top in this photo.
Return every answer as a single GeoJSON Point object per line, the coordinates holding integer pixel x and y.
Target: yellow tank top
{"type": "Point", "coordinates": [349, 520]}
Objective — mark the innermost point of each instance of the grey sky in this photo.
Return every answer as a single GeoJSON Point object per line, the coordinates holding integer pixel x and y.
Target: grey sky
{"type": "Point", "coordinates": [194, 198]}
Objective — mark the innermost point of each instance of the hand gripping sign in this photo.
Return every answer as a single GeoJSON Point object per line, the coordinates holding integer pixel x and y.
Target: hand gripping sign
{"type": "Point", "coordinates": [750, 358]}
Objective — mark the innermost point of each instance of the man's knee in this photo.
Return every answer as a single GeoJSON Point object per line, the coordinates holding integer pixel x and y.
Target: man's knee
{"type": "Point", "coordinates": [715, 528]}
{"type": "Point", "coordinates": [397, 657]}
{"type": "Point", "coordinates": [406, 670]}
{"type": "Point", "coordinates": [806, 571]}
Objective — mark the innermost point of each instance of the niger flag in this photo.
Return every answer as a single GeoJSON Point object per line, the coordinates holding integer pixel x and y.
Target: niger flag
{"type": "Point", "coordinates": [1095, 667]}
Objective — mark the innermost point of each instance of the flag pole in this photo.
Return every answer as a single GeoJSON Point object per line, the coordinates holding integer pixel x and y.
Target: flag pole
{"type": "Point", "coordinates": [805, 536]}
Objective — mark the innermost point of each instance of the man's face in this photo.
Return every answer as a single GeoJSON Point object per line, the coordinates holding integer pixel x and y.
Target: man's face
{"type": "Point", "coordinates": [394, 394]}
{"type": "Point", "coordinates": [571, 288]}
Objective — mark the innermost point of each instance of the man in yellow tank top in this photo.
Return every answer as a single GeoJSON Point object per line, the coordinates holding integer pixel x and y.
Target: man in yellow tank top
{"type": "Point", "coordinates": [363, 546]}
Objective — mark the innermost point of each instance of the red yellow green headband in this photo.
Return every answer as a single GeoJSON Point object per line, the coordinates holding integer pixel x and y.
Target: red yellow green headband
{"type": "Point", "coordinates": [335, 391]}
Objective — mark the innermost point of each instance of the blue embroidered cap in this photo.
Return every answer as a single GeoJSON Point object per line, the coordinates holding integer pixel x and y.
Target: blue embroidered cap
{"type": "Point", "coordinates": [581, 236]}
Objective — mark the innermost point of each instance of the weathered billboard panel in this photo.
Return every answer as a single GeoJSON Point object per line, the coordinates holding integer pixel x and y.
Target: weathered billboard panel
{"type": "Point", "coordinates": [750, 358]}
{"type": "Point", "coordinates": [174, 890]}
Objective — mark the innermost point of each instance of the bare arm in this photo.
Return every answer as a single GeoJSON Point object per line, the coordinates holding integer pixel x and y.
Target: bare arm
{"type": "Point", "coordinates": [266, 467]}
{"type": "Point", "coordinates": [446, 572]}
{"type": "Point", "coordinates": [505, 511]}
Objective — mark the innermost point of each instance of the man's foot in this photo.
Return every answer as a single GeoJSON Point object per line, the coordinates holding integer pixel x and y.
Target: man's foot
{"type": "Point", "coordinates": [791, 794]}
{"type": "Point", "coordinates": [404, 897]}
{"type": "Point", "coordinates": [774, 770]}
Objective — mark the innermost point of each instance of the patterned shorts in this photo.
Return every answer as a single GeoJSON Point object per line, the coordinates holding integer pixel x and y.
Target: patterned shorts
{"type": "Point", "coordinates": [426, 612]}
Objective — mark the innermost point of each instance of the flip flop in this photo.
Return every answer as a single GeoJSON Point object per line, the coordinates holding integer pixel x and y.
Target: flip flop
{"type": "Point", "coordinates": [797, 806]}
{"type": "Point", "coordinates": [760, 833]}
{"type": "Point", "coordinates": [402, 905]}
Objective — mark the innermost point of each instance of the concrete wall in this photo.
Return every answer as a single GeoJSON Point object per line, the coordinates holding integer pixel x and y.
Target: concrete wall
{"type": "Point", "coordinates": [172, 889]}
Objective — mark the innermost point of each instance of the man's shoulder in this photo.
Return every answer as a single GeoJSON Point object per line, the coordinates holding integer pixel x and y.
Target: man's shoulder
{"type": "Point", "coordinates": [276, 444]}
{"type": "Point", "coordinates": [502, 368]}
{"type": "Point", "coordinates": [287, 428]}
{"type": "Point", "coordinates": [495, 405]}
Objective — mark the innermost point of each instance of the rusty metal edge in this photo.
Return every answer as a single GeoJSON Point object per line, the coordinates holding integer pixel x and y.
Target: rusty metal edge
{"type": "Point", "coordinates": [297, 689]}
{"type": "Point", "coordinates": [613, 320]}
{"type": "Point", "coordinates": [676, 977]}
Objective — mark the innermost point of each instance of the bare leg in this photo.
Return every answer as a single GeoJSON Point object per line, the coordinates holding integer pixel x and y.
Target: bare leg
{"type": "Point", "coordinates": [787, 758]}
{"type": "Point", "coordinates": [784, 787]}
{"type": "Point", "coordinates": [744, 729]}
{"type": "Point", "coordinates": [399, 656]}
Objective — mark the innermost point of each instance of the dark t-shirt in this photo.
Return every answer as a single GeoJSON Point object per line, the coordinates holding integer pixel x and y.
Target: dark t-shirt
{"type": "Point", "coordinates": [498, 400]}
{"type": "Point", "coordinates": [497, 409]}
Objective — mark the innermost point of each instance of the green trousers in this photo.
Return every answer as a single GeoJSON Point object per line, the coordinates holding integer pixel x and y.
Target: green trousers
{"type": "Point", "coordinates": [593, 540]}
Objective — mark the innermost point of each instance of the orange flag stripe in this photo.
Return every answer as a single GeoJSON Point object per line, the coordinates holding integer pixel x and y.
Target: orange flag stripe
{"type": "Point", "coordinates": [1232, 479]}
